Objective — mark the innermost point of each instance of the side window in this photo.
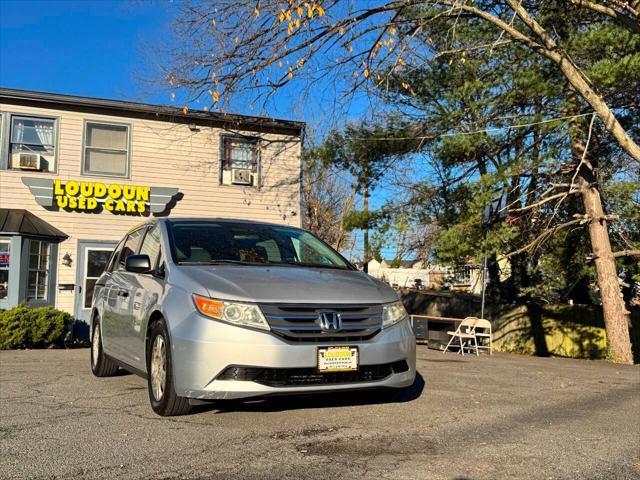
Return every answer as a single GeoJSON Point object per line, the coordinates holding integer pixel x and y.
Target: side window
{"type": "Point", "coordinates": [114, 257]}
{"type": "Point", "coordinates": [130, 247]}
{"type": "Point", "coordinates": [151, 244]}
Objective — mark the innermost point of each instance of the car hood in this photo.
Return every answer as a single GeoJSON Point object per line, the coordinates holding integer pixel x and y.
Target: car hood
{"type": "Point", "coordinates": [289, 284]}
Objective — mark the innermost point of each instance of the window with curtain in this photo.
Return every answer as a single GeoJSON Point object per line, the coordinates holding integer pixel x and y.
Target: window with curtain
{"type": "Point", "coordinates": [240, 162]}
{"type": "Point", "coordinates": [39, 265]}
{"type": "Point", "coordinates": [106, 149]}
{"type": "Point", "coordinates": [36, 136]}
{"type": "Point", "coordinates": [240, 154]}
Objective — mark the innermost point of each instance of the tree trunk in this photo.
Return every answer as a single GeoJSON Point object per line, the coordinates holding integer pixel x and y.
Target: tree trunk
{"type": "Point", "coordinates": [616, 316]}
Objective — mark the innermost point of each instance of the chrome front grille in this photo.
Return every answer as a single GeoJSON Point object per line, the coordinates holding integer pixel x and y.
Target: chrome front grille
{"type": "Point", "coordinates": [301, 323]}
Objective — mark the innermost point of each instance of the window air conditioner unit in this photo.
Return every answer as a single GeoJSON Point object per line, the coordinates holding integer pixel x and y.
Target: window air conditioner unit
{"type": "Point", "coordinates": [30, 161]}
{"type": "Point", "coordinates": [241, 176]}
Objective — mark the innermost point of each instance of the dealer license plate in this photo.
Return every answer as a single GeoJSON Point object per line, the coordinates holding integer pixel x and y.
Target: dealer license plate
{"type": "Point", "coordinates": [337, 359]}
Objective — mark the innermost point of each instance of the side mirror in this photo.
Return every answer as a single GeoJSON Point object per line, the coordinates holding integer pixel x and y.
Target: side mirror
{"type": "Point", "coordinates": [138, 264]}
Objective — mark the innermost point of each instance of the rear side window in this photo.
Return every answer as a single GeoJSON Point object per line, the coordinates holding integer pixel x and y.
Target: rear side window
{"type": "Point", "coordinates": [131, 245]}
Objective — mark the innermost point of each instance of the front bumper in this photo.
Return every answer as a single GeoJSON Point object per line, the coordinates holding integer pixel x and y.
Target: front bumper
{"type": "Point", "coordinates": [203, 348]}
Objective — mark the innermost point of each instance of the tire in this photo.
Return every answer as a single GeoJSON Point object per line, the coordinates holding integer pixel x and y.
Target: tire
{"type": "Point", "coordinates": [162, 395]}
{"type": "Point", "coordinates": [101, 365]}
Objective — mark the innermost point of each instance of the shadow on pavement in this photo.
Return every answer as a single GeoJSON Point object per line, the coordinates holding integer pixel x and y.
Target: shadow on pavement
{"type": "Point", "coordinates": [445, 360]}
{"type": "Point", "coordinates": [278, 403]}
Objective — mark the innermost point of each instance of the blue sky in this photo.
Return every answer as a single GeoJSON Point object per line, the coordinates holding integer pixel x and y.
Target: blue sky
{"type": "Point", "coordinates": [93, 48]}
{"type": "Point", "coordinates": [105, 49]}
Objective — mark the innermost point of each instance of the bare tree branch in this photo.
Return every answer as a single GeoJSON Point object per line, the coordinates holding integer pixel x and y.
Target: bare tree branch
{"type": "Point", "coordinates": [628, 20]}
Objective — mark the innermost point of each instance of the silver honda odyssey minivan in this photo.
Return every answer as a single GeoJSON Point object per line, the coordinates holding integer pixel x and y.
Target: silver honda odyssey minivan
{"type": "Point", "coordinates": [212, 309]}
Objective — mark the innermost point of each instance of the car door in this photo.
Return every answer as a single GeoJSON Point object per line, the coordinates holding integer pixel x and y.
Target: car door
{"type": "Point", "coordinates": [117, 321]}
{"type": "Point", "coordinates": [105, 300]}
{"type": "Point", "coordinates": [146, 289]}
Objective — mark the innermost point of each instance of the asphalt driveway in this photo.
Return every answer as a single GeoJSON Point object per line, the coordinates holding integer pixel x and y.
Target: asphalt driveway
{"type": "Point", "coordinates": [505, 416]}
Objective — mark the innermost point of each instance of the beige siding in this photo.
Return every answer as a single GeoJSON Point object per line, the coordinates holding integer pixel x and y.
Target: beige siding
{"type": "Point", "coordinates": [162, 154]}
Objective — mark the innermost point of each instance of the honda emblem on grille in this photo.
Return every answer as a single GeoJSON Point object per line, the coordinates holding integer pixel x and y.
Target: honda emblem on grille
{"type": "Point", "coordinates": [330, 321]}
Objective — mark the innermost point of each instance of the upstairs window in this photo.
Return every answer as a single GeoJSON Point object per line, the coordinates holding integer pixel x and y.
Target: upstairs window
{"type": "Point", "coordinates": [106, 150]}
{"type": "Point", "coordinates": [32, 144]}
{"type": "Point", "coordinates": [240, 162]}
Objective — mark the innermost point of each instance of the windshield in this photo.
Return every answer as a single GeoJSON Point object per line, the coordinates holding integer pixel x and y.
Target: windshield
{"type": "Point", "coordinates": [210, 242]}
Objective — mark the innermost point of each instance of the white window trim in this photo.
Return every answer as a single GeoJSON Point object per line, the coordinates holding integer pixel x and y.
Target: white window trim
{"type": "Point", "coordinates": [255, 141]}
{"type": "Point", "coordinates": [47, 272]}
{"type": "Point", "coordinates": [85, 269]}
{"type": "Point", "coordinates": [83, 171]}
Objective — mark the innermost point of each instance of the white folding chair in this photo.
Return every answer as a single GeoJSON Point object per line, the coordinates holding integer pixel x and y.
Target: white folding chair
{"type": "Point", "coordinates": [484, 327]}
{"type": "Point", "coordinates": [464, 333]}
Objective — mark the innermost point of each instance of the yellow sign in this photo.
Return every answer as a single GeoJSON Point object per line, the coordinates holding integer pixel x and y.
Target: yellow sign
{"type": "Point", "coordinates": [85, 196]}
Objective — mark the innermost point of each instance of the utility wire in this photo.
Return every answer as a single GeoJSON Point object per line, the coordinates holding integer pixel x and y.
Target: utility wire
{"type": "Point", "coordinates": [485, 130]}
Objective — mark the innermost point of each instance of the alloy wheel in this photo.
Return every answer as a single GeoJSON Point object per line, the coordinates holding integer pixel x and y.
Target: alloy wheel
{"type": "Point", "coordinates": [158, 367]}
{"type": "Point", "coordinates": [95, 345]}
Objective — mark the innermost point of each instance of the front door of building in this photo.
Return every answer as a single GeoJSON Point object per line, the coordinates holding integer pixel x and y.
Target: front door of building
{"type": "Point", "coordinates": [92, 260]}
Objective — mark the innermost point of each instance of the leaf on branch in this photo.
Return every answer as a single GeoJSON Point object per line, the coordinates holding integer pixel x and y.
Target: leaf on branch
{"type": "Point", "coordinates": [256, 12]}
{"type": "Point", "coordinates": [216, 96]}
{"type": "Point", "coordinates": [366, 73]}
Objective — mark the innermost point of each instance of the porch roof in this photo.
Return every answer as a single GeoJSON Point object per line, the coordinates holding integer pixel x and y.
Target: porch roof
{"type": "Point", "coordinates": [17, 221]}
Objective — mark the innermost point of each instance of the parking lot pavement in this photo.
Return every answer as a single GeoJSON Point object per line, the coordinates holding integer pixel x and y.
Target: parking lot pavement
{"type": "Point", "coordinates": [505, 416]}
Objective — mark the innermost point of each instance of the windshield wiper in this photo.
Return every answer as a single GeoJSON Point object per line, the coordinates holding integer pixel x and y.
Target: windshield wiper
{"type": "Point", "coordinates": [310, 265]}
{"type": "Point", "coordinates": [235, 262]}
{"type": "Point", "coordinates": [218, 262]}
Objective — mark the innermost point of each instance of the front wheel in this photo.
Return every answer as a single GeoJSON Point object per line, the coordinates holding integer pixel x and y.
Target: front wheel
{"type": "Point", "coordinates": [162, 394]}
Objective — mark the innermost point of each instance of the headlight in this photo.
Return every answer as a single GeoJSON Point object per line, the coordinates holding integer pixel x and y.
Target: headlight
{"type": "Point", "coordinates": [392, 313]}
{"type": "Point", "coordinates": [241, 314]}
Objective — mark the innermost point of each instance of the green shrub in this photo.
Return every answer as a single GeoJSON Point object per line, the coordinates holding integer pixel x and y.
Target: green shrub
{"type": "Point", "coordinates": [24, 327]}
